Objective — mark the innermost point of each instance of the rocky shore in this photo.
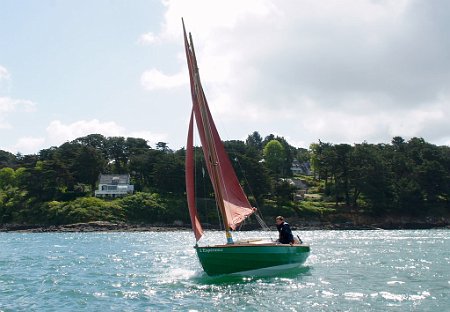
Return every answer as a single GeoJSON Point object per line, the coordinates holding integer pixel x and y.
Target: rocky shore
{"type": "Point", "coordinates": [104, 226]}
{"type": "Point", "coordinates": [95, 226]}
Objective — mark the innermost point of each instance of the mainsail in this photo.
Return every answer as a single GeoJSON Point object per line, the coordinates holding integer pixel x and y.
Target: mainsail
{"type": "Point", "coordinates": [230, 197]}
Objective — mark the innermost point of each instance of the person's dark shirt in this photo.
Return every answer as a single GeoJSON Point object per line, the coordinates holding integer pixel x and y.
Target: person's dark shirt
{"type": "Point", "coordinates": [286, 236]}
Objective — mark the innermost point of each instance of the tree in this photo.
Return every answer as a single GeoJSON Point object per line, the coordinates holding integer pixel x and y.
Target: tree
{"type": "Point", "coordinates": [116, 148]}
{"type": "Point", "coordinates": [162, 146]}
{"type": "Point", "coordinates": [321, 162]}
{"type": "Point", "coordinates": [144, 207]}
{"type": "Point", "coordinates": [289, 152]}
{"type": "Point", "coordinates": [97, 141]}
{"type": "Point", "coordinates": [341, 165]}
{"type": "Point", "coordinates": [7, 159]}
{"type": "Point", "coordinates": [46, 181]}
{"type": "Point", "coordinates": [369, 178]}
{"type": "Point", "coordinates": [83, 210]}
{"type": "Point", "coordinates": [168, 174]}
{"type": "Point", "coordinates": [141, 167]}
{"type": "Point", "coordinates": [283, 192]}
{"type": "Point", "coordinates": [87, 166]}
{"type": "Point", "coordinates": [274, 157]}
{"type": "Point", "coordinates": [7, 178]}
{"type": "Point", "coordinates": [255, 142]}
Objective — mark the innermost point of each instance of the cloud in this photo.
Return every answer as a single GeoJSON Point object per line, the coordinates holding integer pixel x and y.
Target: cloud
{"type": "Point", "coordinates": [9, 106]}
{"type": "Point", "coordinates": [153, 79]}
{"type": "Point", "coordinates": [28, 145]}
{"type": "Point", "coordinates": [348, 71]}
{"type": "Point", "coordinates": [148, 39]}
{"type": "Point", "coordinates": [5, 79]}
{"type": "Point", "coordinates": [219, 15]}
{"type": "Point", "coordinates": [58, 132]}
{"type": "Point", "coordinates": [4, 74]}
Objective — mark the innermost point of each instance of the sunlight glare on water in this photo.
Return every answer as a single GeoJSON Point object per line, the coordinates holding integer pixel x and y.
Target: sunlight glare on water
{"type": "Point", "coordinates": [149, 271]}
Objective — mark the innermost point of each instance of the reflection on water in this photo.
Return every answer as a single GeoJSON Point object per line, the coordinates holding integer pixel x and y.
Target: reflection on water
{"type": "Point", "coordinates": [291, 273]}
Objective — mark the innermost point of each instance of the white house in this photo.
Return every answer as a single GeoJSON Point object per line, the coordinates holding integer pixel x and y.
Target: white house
{"type": "Point", "coordinates": [114, 185]}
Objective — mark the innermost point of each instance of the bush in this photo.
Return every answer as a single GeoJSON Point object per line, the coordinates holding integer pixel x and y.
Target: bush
{"type": "Point", "coordinates": [83, 210]}
{"type": "Point", "coordinates": [144, 207]}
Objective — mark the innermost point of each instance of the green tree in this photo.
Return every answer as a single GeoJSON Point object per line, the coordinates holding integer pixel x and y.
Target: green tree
{"type": "Point", "coordinates": [283, 192]}
{"type": "Point", "coordinates": [369, 178]}
{"type": "Point", "coordinates": [254, 143]}
{"type": "Point", "coordinates": [7, 178]}
{"type": "Point", "coordinates": [7, 159]}
{"type": "Point", "coordinates": [46, 181]}
{"type": "Point", "coordinates": [162, 146]}
{"type": "Point", "coordinates": [144, 207]}
{"type": "Point", "coordinates": [168, 174]}
{"type": "Point", "coordinates": [341, 172]}
{"type": "Point", "coordinates": [142, 168]}
{"type": "Point", "coordinates": [117, 154]}
{"type": "Point", "coordinates": [274, 156]}
{"type": "Point", "coordinates": [83, 210]}
{"type": "Point", "coordinates": [87, 165]}
{"type": "Point", "coordinates": [97, 141]}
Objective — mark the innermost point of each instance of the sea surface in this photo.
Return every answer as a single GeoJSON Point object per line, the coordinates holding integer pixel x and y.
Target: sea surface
{"type": "Point", "coordinates": [403, 270]}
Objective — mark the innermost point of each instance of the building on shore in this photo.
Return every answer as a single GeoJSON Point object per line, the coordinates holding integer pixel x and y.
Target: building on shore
{"type": "Point", "coordinates": [114, 185]}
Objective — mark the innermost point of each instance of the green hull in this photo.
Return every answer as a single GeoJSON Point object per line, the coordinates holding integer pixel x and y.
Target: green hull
{"type": "Point", "coordinates": [228, 259]}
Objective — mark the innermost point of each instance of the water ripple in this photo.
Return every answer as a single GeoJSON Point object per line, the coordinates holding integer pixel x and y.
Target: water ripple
{"type": "Point", "coordinates": [347, 271]}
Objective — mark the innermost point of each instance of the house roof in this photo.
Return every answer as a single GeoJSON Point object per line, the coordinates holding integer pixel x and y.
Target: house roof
{"type": "Point", "coordinates": [117, 178]}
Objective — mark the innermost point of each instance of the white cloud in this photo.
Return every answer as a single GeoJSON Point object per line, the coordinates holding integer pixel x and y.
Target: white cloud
{"type": "Point", "coordinates": [5, 79]}
{"type": "Point", "coordinates": [148, 39]}
{"type": "Point", "coordinates": [28, 145]}
{"type": "Point", "coordinates": [224, 14]}
{"type": "Point", "coordinates": [58, 132]}
{"type": "Point", "coordinates": [341, 71]}
{"type": "Point", "coordinates": [9, 106]}
{"type": "Point", "coordinates": [4, 74]}
{"type": "Point", "coordinates": [153, 79]}
{"type": "Point", "coordinates": [220, 15]}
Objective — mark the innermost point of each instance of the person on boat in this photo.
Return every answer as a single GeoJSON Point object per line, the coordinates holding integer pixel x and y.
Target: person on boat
{"type": "Point", "coordinates": [284, 230]}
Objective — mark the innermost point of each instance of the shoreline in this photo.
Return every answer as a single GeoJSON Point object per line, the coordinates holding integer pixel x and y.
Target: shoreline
{"type": "Point", "coordinates": [104, 226]}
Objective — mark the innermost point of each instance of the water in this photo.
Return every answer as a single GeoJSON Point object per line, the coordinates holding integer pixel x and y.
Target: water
{"type": "Point", "coordinates": [150, 271]}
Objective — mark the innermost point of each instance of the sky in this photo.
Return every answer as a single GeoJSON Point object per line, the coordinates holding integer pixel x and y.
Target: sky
{"type": "Point", "coordinates": [306, 70]}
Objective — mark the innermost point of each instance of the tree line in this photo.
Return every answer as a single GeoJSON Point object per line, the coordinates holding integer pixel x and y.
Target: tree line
{"type": "Point", "coordinates": [402, 178]}
{"type": "Point", "coordinates": [56, 185]}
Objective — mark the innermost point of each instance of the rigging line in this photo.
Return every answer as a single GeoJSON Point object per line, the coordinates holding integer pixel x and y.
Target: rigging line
{"type": "Point", "coordinates": [261, 222]}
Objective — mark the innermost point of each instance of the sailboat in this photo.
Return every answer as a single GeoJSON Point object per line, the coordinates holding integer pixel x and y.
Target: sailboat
{"type": "Point", "coordinates": [231, 257]}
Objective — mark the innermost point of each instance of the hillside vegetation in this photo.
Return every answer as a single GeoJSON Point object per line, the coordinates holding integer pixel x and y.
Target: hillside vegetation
{"type": "Point", "coordinates": [340, 183]}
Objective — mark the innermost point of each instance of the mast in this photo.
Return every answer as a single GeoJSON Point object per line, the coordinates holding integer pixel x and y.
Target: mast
{"type": "Point", "coordinates": [210, 146]}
